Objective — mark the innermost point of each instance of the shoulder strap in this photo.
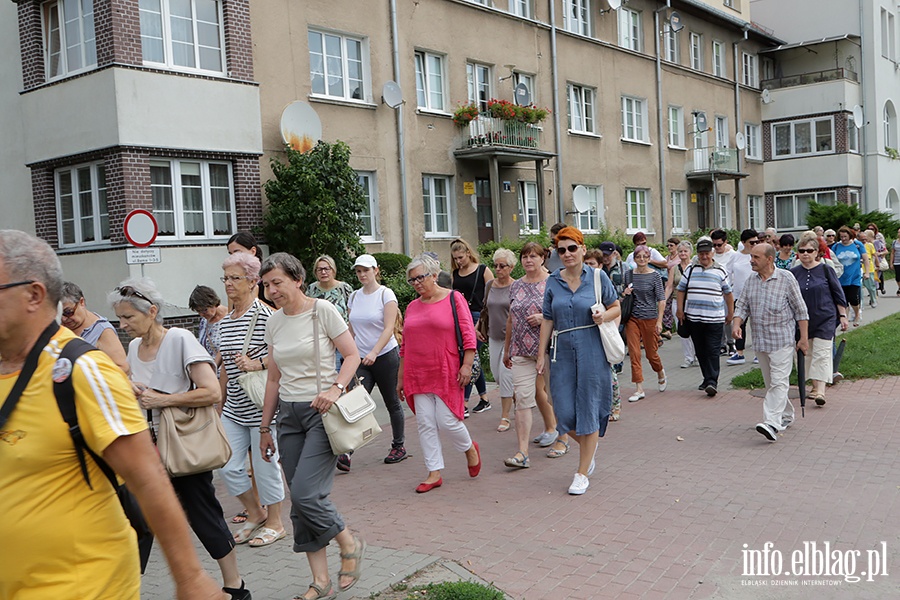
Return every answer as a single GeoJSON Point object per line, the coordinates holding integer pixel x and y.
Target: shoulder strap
{"type": "Point", "coordinates": [250, 330]}
{"type": "Point", "coordinates": [31, 362]}
{"type": "Point", "coordinates": [315, 320]}
{"type": "Point", "coordinates": [459, 338]}
{"type": "Point", "coordinates": [597, 283]}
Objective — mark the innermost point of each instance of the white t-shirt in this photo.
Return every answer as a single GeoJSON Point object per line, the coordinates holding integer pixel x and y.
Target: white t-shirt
{"type": "Point", "coordinates": [740, 271]}
{"type": "Point", "coordinates": [655, 255]}
{"type": "Point", "coordinates": [290, 340]}
{"type": "Point", "coordinates": [367, 318]}
{"type": "Point", "coordinates": [725, 259]}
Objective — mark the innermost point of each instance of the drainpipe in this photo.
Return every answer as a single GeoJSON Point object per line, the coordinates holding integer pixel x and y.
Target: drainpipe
{"type": "Point", "coordinates": [560, 206]}
{"type": "Point", "coordinates": [864, 201]}
{"type": "Point", "coordinates": [401, 139]}
{"type": "Point", "coordinates": [659, 123]}
{"type": "Point", "coordinates": [738, 183]}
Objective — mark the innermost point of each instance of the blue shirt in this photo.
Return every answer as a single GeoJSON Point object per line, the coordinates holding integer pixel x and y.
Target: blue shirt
{"type": "Point", "coordinates": [850, 256]}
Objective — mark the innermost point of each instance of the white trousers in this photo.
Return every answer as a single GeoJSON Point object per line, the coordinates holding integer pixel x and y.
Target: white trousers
{"type": "Point", "coordinates": [432, 418]}
{"type": "Point", "coordinates": [776, 371]}
{"type": "Point", "coordinates": [502, 375]}
{"type": "Point", "coordinates": [269, 479]}
{"type": "Point", "coordinates": [819, 360]}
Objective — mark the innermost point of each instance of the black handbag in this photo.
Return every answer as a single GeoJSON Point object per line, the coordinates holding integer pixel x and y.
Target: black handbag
{"type": "Point", "coordinates": [684, 325]}
{"type": "Point", "coordinates": [627, 302]}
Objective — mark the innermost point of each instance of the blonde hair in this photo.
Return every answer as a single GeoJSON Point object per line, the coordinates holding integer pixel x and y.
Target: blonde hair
{"type": "Point", "coordinates": [460, 244]}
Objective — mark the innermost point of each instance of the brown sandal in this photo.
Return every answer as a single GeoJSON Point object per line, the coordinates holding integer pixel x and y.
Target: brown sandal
{"type": "Point", "coordinates": [321, 592]}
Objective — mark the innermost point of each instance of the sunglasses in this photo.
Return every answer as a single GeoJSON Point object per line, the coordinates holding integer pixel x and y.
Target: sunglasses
{"type": "Point", "coordinates": [500, 266]}
{"type": "Point", "coordinates": [68, 312]}
{"type": "Point", "coordinates": [563, 249]}
{"type": "Point", "coordinates": [416, 279]}
{"type": "Point", "coordinates": [806, 250]}
{"type": "Point", "coordinates": [753, 242]}
{"type": "Point", "coordinates": [127, 291]}
{"type": "Point", "coordinates": [6, 286]}
{"type": "Point", "coordinates": [718, 245]}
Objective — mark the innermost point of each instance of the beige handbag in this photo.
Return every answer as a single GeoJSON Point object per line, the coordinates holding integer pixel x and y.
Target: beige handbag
{"type": "Point", "coordinates": [253, 382]}
{"type": "Point", "coordinates": [350, 423]}
{"type": "Point", "coordinates": [192, 440]}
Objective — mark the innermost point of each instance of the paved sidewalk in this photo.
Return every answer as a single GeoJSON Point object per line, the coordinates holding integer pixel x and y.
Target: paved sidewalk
{"type": "Point", "coordinates": [664, 517]}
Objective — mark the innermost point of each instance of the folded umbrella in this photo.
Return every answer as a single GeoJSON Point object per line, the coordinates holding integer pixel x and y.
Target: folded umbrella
{"type": "Point", "coordinates": [801, 380]}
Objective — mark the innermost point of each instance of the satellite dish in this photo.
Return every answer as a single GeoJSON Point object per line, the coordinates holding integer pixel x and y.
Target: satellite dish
{"type": "Point", "coordinates": [702, 123]}
{"type": "Point", "coordinates": [301, 128]}
{"type": "Point", "coordinates": [739, 141]}
{"type": "Point", "coordinates": [615, 4]}
{"type": "Point", "coordinates": [766, 96]}
{"type": "Point", "coordinates": [522, 95]}
{"type": "Point", "coordinates": [858, 116]}
{"type": "Point", "coordinates": [581, 199]}
{"type": "Point", "coordinates": [675, 23]}
{"type": "Point", "coordinates": [391, 94]}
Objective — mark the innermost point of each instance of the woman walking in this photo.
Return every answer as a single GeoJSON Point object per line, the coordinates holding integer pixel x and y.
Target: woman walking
{"type": "Point", "coordinates": [582, 392]}
{"type": "Point", "coordinates": [676, 272]}
{"type": "Point", "coordinates": [301, 389]}
{"type": "Point", "coordinates": [496, 312]}
{"type": "Point", "coordinates": [206, 303]}
{"type": "Point", "coordinates": [855, 260]}
{"type": "Point", "coordinates": [895, 260]}
{"type": "Point", "coordinates": [645, 323]}
{"type": "Point", "coordinates": [90, 326]}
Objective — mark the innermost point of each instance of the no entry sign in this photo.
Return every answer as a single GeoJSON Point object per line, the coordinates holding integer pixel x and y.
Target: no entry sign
{"type": "Point", "coordinates": [140, 228]}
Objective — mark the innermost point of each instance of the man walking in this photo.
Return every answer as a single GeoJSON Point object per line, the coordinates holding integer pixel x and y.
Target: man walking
{"type": "Point", "coordinates": [724, 255]}
{"type": "Point", "coordinates": [772, 297]}
{"type": "Point", "coordinates": [65, 539]}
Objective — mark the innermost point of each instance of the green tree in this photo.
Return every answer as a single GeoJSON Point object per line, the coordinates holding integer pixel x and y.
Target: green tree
{"type": "Point", "coordinates": [833, 217]}
{"type": "Point", "coordinates": [314, 204]}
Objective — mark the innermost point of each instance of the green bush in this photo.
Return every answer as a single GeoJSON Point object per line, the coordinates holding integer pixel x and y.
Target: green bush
{"type": "Point", "coordinates": [734, 236]}
{"type": "Point", "coordinates": [393, 275]}
{"type": "Point", "coordinates": [833, 217]}
{"type": "Point", "coordinates": [457, 590]}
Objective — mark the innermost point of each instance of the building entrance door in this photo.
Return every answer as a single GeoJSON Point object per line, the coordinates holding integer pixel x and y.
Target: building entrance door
{"type": "Point", "coordinates": [703, 216]}
{"type": "Point", "coordinates": [485, 210]}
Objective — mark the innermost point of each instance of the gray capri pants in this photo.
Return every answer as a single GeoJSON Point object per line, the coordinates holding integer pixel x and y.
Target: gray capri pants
{"type": "Point", "coordinates": [309, 466]}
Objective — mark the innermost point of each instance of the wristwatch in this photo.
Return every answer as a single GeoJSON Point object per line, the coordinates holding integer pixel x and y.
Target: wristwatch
{"type": "Point", "coordinates": [340, 387]}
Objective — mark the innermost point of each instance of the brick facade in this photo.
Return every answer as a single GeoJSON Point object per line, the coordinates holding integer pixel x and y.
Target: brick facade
{"type": "Point", "coordinates": [30, 44]}
{"type": "Point", "coordinates": [117, 24]}
{"type": "Point", "coordinates": [238, 46]}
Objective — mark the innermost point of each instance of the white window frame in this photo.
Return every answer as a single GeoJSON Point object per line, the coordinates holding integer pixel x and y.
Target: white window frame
{"type": "Point", "coordinates": [696, 51]}
{"type": "Point", "coordinates": [426, 86]}
{"type": "Point", "coordinates": [721, 130]}
{"type": "Point", "coordinates": [347, 90]}
{"type": "Point", "coordinates": [95, 195]}
{"type": "Point", "coordinates": [793, 133]}
{"type": "Point", "coordinates": [756, 212]}
{"type": "Point", "coordinates": [635, 125]}
{"type": "Point", "coordinates": [429, 199]}
{"type": "Point", "coordinates": [672, 45]}
{"type": "Point", "coordinates": [852, 135]}
{"type": "Point", "coordinates": [581, 97]}
{"type": "Point", "coordinates": [888, 35]}
{"type": "Point", "coordinates": [479, 80]}
{"type": "Point", "coordinates": [164, 21]}
{"type": "Point", "coordinates": [71, 38]}
{"type": "Point", "coordinates": [753, 140]}
{"type": "Point", "coordinates": [528, 80]}
{"type": "Point", "coordinates": [676, 127]}
{"type": "Point", "coordinates": [795, 200]}
{"type": "Point", "coordinates": [529, 208]}
{"type": "Point", "coordinates": [749, 70]}
{"type": "Point", "coordinates": [679, 211]}
{"type": "Point", "coordinates": [853, 198]}
{"type": "Point", "coordinates": [724, 210]}
{"type": "Point", "coordinates": [637, 217]}
{"type": "Point", "coordinates": [889, 125]}
{"type": "Point", "coordinates": [631, 35]}
{"type": "Point", "coordinates": [718, 59]}
{"type": "Point", "coordinates": [591, 220]}
{"type": "Point", "coordinates": [369, 184]}
{"type": "Point", "coordinates": [175, 167]}
{"type": "Point", "coordinates": [521, 8]}
{"type": "Point", "coordinates": [577, 17]}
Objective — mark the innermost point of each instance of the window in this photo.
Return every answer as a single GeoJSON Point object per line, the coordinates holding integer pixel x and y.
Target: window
{"type": "Point", "coordinates": [798, 138]}
{"type": "Point", "coordinates": [890, 125]}
{"type": "Point", "coordinates": [529, 208]}
{"type": "Point", "coordinates": [676, 127]}
{"type": "Point", "coordinates": [69, 44]}
{"type": "Point", "coordinates": [750, 73]}
{"type": "Point", "coordinates": [634, 119]}
{"type": "Point", "coordinates": [336, 66]}
{"type": "Point", "coordinates": [636, 210]}
{"type": "Point", "coordinates": [724, 209]}
{"type": "Point", "coordinates": [791, 209]}
{"type": "Point", "coordinates": [853, 197]}
{"type": "Point", "coordinates": [672, 49]}
{"type": "Point", "coordinates": [679, 211]}
{"type": "Point", "coordinates": [185, 34]}
{"type": "Point", "coordinates": [528, 80]}
{"type": "Point", "coordinates": [887, 35]}
{"type": "Point", "coordinates": [429, 81]}
{"type": "Point", "coordinates": [577, 16]}
{"type": "Point", "coordinates": [852, 135]}
{"type": "Point", "coordinates": [192, 198]}
{"type": "Point", "coordinates": [435, 196]}
{"type": "Point", "coordinates": [630, 34]}
{"type": "Point", "coordinates": [721, 132]}
{"type": "Point", "coordinates": [696, 52]}
{"type": "Point", "coordinates": [756, 213]}
{"type": "Point", "coordinates": [478, 78]}
{"type": "Point", "coordinates": [81, 204]}
{"type": "Point", "coordinates": [718, 58]}
{"type": "Point", "coordinates": [592, 218]}
{"type": "Point", "coordinates": [369, 216]}
{"type": "Point", "coordinates": [581, 108]}
{"type": "Point", "coordinates": [521, 8]}
{"type": "Point", "coordinates": [753, 139]}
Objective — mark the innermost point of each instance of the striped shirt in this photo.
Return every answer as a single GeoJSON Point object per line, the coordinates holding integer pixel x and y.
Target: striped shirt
{"type": "Point", "coordinates": [648, 293]}
{"type": "Point", "coordinates": [775, 304]}
{"type": "Point", "coordinates": [705, 291]}
{"type": "Point", "coordinates": [238, 407]}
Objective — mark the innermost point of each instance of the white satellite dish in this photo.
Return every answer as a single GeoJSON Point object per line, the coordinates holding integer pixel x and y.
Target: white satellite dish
{"type": "Point", "coordinates": [858, 116]}
{"type": "Point", "coordinates": [301, 127]}
{"type": "Point", "coordinates": [766, 96]}
{"type": "Point", "coordinates": [615, 4]}
{"type": "Point", "coordinates": [675, 23]}
{"type": "Point", "coordinates": [522, 95]}
{"type": "Point", "coordinates": [702, 123]}
{"type": "Point", "coordinates": [739, 141]}
{"type": "Point", "coordinates": [581, 198]}
{"type": "Point", "coordinates": [391, 94]}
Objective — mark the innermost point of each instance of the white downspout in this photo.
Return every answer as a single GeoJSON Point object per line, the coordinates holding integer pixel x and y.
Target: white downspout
{"type": "Point", "coordinates": [401, 139]}
{"type": "Point", "coordinates": [560, 206]}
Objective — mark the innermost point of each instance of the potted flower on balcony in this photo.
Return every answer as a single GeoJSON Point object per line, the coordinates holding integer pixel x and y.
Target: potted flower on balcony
{"type": "Point", "coordinates": [465, 113]}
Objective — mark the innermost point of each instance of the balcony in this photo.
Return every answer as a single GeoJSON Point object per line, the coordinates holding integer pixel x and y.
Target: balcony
{"type": "Point", "coordinates": [490, 131]}
{"type": "Point", "coordinates": [808, 78]}
{"type": "Point", "coordinates": [713, 163]}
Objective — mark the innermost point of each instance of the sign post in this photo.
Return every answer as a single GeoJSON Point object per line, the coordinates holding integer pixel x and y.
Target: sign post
{"type": "Point", "coordinates": [141, 229]}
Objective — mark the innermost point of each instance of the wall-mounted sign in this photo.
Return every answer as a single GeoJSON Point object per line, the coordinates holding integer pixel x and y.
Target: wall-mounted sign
{"type": "Point", "coordinates": [468, 188]}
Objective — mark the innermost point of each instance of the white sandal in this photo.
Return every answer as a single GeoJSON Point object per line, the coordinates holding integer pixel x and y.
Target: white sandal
{"type": "Point", "coordinates": [637, 396]}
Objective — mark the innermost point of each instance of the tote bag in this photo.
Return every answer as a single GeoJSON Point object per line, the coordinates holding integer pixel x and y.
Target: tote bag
{"type": "Point", "coordinates": [192, 440]}
{"type": "Point", "coordinates": [253, 382]}
{"type": "Point", "coordinates": [613, 344]}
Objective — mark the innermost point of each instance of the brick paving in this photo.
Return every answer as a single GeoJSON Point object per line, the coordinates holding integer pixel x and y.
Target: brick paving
{"type": "Point", "coordinates": [663, 518]}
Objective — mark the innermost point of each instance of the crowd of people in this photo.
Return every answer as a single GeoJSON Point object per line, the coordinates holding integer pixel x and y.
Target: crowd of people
{"type": "Point", "coordinates": [310, 344]}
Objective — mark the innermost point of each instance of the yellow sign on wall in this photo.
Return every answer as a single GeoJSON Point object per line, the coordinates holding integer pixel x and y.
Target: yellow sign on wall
{"type": "Point", "coordinates": [468, 188]}
{"type": "Point", "coordinates": [694, 198]}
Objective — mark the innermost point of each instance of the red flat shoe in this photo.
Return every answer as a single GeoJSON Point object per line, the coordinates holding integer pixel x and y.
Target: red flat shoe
{"type": "Point", "coordinates": [474, 471]}
{"type": "Point", "coordinates": [427, 487]}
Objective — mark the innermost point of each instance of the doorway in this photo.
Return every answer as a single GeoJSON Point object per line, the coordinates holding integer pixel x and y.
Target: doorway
{"type": "Point", "coordinates": [484, 210]}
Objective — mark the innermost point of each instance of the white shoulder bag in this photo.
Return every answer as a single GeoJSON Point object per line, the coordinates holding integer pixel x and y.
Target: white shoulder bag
{"type": "Point", "coordinates": [613, 344]}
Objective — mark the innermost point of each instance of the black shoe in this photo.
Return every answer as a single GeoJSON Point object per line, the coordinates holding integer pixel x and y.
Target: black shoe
{"type": "Point", "coordinates": [482, 406]}
{"type": "Point", "coordinates": [711, 390]}
{"type": "Point", "coordinates": [701, 387]}
{"type": "Point", "coordinates": [768, 431]}
{"type": "Point", "coordinates": [343, 463]}
{"type": "Point", "coordinates": [396, 455]}
{"type": "Point", "coordinates": [241, 593]}
{"type": "Point", "coordinates": [466, 413]}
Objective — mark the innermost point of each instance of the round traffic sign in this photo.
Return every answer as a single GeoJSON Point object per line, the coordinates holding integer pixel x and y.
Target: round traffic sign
{"type": "Point", "coordinates": [140, 228]}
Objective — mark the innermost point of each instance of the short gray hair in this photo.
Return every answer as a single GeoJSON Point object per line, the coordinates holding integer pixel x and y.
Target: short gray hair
{"type": "Point", "coordinates": [428, 264]}
{"type": "Point", "coordinates": [140, 294]}
{"type": "Point", "coordinates": [71, 293]}
{"type": "Point", "coordinates": [685, 244]}
{"type": "Point", "coordinates": [507, 255]}
{"type": "Point", "coordinates": [27, 257]}
{"type": "Point", "coordinates": [288, 263]}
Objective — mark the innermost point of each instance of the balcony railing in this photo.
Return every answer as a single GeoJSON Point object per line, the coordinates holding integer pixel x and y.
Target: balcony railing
{"type": "Point", "coordinates": [490, 131]}
{"type": "Point", "coordinates": [712, 160]}
{"type": "Point", "coordinates": [807, 78]}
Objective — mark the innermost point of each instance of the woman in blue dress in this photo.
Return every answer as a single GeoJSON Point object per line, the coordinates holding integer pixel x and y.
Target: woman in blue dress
{"type": "Point", "coordinates": [581, 388]}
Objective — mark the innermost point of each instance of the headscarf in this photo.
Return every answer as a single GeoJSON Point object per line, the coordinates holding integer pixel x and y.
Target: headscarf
{"type": "Point", "coordinates": [571, 233]}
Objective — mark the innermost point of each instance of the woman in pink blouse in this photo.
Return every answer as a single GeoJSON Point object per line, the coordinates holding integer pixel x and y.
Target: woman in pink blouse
{"type": "Point", "coordinates": [432, 373]}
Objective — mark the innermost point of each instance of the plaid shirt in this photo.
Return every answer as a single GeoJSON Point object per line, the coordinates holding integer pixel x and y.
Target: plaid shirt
{"type": "Point", "coordinates": [775, 304]}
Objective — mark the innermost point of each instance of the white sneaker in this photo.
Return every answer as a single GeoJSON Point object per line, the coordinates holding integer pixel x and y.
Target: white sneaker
{"type": "Point", "coordinates": [687, 364]}
{"type": "Point", "coordinates": [592, 467]}
{"type": "Point", "coordinates": [579, 485]}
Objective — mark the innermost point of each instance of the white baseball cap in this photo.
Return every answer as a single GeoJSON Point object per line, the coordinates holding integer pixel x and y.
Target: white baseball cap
{"type": "Point", "coordinates": [366, 260]}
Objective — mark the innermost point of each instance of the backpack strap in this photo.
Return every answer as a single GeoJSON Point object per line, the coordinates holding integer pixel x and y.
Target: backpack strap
{"type": "Point", "coordinates": [31, 363]}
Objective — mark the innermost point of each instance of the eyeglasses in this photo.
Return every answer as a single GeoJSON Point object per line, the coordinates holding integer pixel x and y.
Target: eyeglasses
{"type": "Point", "coordinates": [563, 249]}
{"type": "Point", "coordinates": [233, 278]}
{"type": "Point", "coordinates": [6, 286]}
{"type": "Point", "coordinates": [500, 266]}
{"type": "Point", "coordinates": [127, 290]}
{"type": "Point", "coordinates": [322, 269]}
{"type": "Point", "coordinates": [647, 256]}
{"type": "Point", "coordinates": [806, 250]}
{"type": "Point", "coordinates": [416, 279]}
{"type": "Point", "coordinates": [68, 312]}
{"type": "Point", "coordinates": [830, 235]}
{"type": "Point", "coordinates": [753, 242]}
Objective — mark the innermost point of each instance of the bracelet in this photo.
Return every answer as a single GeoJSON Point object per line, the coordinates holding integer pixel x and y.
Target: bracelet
{"type": "Point", "coordinates": [265, 430]}
{"type": "Point", "coordinates": [262, 364]}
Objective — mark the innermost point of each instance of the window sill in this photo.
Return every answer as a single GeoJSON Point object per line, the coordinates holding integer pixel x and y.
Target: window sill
{"type": "Point", "coordinates": [679, 148]}
{"type": "Point", "coordinates": [635, 142]}
{"type": "Point", "coordinates": [341, 101]}
{"type": "Point", "coordinates": [427, 112]}
{"type": "Point", "coordinates": [370, 241]}
{"type": "Point", "coordinates": [754, 159]}
{"type": "Point", "coordinates": [437, 237]}
{"type": "Point", "coordinates": [631, 231]}
{"type": "Point", "coordinates": [585, 134]}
